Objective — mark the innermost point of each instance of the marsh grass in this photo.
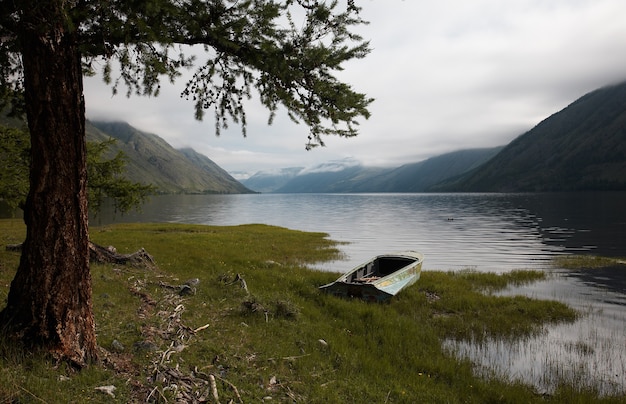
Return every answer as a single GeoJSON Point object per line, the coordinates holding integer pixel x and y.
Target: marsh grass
{"type": "Point", "coordinates": [280, 338]}
{"type": "Point", "coordinates": [586, 262]}
{"type": "Point", "coordinates": [561, 361]}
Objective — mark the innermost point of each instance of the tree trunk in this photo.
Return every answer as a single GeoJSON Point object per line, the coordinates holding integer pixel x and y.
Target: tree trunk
{"type": "Point", "coordinates": [49, 304]}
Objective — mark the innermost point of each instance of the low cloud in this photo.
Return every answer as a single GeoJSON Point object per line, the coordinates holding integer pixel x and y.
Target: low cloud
{"type": "Point", "coordinates": [331, 166]}
{"type": "Point", "coordinates": [445, 76]}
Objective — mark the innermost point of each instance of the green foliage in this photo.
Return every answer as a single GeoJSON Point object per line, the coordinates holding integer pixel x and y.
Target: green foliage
{"type": "Point", "coordinates": [106, 180]}
{"type": "Point", "coordinates": [104, 175]}
{"type": "Point", "coordinates": [14, 157]}
{"type": "Point", "coordinates": [287, 51]}
{"type": "Point", "coordinates": [585, 261]}
{"type": "Point", "coordinates": [151, 160]}
{"type": "Point", "coordinates": [46, 44]}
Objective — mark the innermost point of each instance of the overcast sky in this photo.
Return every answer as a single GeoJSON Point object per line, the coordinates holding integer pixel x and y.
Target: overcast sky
{"type": "Point", "coordinates": [446, 75]}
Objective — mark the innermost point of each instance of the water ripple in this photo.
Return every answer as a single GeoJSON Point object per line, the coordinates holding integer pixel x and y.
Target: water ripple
{"type": "Point", "coordinates": [492, 232]}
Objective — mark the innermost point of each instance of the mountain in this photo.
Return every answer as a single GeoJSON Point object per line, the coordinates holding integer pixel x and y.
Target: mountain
{"type": "Point", "coordinates": [212, 169]}
{"type": "Point", "coordinates": [418, 177]}
{"type": "Point", "coordinates": [582, 147]}
{"type": "Point", "coordinates": [349, 176]}
{"type": "Point", "coordinates": [151, 160]}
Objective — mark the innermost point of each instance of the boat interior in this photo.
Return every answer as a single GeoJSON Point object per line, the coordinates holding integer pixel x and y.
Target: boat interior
{"type": "Point", "coordinates": [378, 268]}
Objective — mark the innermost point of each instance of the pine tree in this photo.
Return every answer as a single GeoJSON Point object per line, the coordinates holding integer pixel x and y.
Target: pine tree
{"type": "Point", "coordinates": [287, 51]}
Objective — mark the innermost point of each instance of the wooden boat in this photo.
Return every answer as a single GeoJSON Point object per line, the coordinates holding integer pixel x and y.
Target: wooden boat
{"type": "Point", "coordinates": [380, 278]}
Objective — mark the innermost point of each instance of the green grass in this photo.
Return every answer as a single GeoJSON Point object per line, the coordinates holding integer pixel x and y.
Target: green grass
{"type": "Point", "coordinates": [586, 262]}
{"type": "Point", "coordinates": [284, 339]}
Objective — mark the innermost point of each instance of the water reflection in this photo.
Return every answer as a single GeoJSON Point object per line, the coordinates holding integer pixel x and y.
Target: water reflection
{"type": "Point", "coordinates": [587, 354]}
{"type": "Point", "coordinates": [486, 232]}
{"type": "Point", "coordinates": [493, 232]}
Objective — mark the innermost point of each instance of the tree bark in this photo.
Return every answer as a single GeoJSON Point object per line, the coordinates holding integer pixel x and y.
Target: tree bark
{"type": "Point", "coordinates": [49, 304]}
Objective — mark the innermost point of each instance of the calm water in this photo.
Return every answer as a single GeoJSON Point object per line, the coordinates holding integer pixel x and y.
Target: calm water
{"type": "Point", "coordinates": [492, 232]}
{"type": "Point", "coordinates": [486, 232]}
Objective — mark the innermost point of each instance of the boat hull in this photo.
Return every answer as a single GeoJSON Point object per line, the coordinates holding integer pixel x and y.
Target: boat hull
{"type": "Point", "coordinates": [379, 279]}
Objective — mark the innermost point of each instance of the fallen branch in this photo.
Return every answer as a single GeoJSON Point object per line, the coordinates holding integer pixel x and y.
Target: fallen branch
{"type": "Point", "coordinates": [211, 378]}
{"type": "Point", "coordinates": [189, 386]}
{"type": "Point", "coordinates": [232, 386]}
{"type": "Point", "coordinates": [187, 288]}
{"type": "Point", "coordinates": [156, 399]}
{"type": "Point", "coordinates": [239, 278]}
{"type": "Point", "coordinates": [289, 358]}
{"type": "Point", "coordinates": [31, 394]}
{"type": "Point", "coordinates": [109, 255]}
{"type": "Point", "coordinates": [204, 327]}
{"type": "Point", "coordinates": [216, 396]}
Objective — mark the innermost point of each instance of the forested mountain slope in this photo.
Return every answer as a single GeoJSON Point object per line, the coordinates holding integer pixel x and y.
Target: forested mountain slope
{"type": "Point", "coordinates": [151, 160]}
{"type": "Point", "coordinates": [582, 147]}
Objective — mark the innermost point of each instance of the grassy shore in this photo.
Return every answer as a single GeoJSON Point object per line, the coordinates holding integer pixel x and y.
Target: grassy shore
{"type": "Point", "coordinates": [255, 327]}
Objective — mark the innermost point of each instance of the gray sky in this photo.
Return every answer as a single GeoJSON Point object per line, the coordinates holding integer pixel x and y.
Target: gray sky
{"type": "Point", "coordinates": [446, 75]}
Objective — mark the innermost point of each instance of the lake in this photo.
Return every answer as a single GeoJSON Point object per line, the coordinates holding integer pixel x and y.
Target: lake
{"type": "Point", "coordinates": [487, 232]}
{"type": "Point", "coordinates": [484, 232]}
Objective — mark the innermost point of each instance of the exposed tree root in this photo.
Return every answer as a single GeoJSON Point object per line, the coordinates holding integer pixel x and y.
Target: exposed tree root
{"type": "Point", "coordinates": [109, 255]}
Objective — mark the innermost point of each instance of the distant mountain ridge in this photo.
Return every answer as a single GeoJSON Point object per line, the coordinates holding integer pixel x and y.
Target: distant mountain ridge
{"type": "Point", "coordinates": [270, 181]}
{"type": "Point", "coordinates": [151, 160]}
{"type": "Point", "coordinates": [415, 177]}
{"type": "Point", "coordinates": [419, 177]}
{"type": "Point", "coordinates": [580, 148]}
